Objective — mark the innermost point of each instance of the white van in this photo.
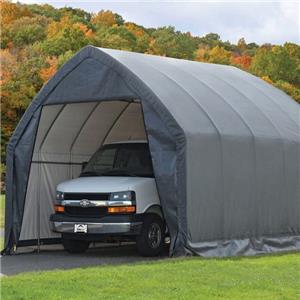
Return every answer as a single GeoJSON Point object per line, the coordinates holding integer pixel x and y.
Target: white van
{"type": "Point", "coordinates": [115, 198]}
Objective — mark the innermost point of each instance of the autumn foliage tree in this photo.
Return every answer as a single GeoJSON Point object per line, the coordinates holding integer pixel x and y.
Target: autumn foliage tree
{"type": "Point", "coordinates": [219, 55]}
{"type": "Point", "coordinates": [241, 61]}
{"type": "Point", "coordinates": [50, 69]}
{"type": "Point", "coordinates": [106, 18]}
{"type": "Point", "coordinates": [65, 35]}
{"type": "Point", "coordinates": [277, 63]}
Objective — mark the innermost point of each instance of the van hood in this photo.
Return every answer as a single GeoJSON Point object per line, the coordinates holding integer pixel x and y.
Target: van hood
{"type": "Point", "coordinates": [102, 184]}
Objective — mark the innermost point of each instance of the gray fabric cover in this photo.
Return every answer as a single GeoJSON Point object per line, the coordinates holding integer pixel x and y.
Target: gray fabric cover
{"type": "Point", "coordinates": [225, 148]}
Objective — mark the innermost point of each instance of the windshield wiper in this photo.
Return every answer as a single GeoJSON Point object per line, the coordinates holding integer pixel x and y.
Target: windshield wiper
{"type": "Point", "coordinates": [89, 173]}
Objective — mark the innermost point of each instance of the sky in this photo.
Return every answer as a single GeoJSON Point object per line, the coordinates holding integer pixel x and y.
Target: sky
{"type": "Point", "coordinates": [264, 21]}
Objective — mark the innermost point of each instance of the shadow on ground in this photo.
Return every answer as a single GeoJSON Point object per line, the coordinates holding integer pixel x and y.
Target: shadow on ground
{"type": "Point", "coordinates": [54, 257]}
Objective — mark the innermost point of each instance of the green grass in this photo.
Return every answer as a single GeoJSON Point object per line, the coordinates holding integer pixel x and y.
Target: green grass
{"type": "Point", "coordinates": [2, 210]}
{"type": "Point", "coordinates": [265, 277]}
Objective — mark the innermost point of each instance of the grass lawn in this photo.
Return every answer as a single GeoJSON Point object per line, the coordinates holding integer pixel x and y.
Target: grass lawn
{"type": "Point", "coordinates": [265, 277]}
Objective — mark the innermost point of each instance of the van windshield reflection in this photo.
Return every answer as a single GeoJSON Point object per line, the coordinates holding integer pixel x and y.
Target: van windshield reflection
{"type": "Point", "coordinates": [132, 159]}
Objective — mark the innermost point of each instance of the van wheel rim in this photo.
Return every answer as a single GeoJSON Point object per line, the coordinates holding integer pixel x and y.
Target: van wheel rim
{"type": "Point", "coordinates": [154, 235]}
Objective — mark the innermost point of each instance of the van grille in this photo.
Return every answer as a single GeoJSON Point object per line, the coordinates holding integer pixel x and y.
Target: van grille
{"type": "Point", "coordinates": [92, 212]}
{"type": "Point", "coordinates": [89, 196]}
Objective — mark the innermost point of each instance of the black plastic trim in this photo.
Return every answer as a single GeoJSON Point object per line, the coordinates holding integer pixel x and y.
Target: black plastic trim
{"type": "Point", "coordinates": [124, 218]}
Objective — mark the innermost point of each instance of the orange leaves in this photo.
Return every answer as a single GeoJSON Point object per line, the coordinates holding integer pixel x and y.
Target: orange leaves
{"type": "Point", "coordinates": [8, 63]}
{"type": "Point", "coordinates": [242, 61]}
{"type": "Point", "coordinates": [48, 72]}
{"type": "Point", "coordinates": [104, 17]}
{"type": "Point", "coordinates": [11, 11]}
{"type": "Point", "coordinates": [136, 30]}
{"type": "Point", "coordinates": [217, 55]}
{"type": "Point", "coordinates": [87, 32]}
{"type": "Point", "coordinates": [201, 55]}
{"type": "Point", "coordinates": [267, 79]}
{"type": "Point", "coordinates": [55, 27]}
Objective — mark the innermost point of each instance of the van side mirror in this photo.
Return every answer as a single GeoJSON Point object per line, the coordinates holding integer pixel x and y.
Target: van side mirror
{"type": "Point", "coordinates": [83, 165]}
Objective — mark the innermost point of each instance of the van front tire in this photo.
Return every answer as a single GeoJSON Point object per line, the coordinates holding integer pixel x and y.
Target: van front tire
{"type": "Point", "coordinates": [151, 240]}
{"type": "Point", "coordinates": [75, 246]}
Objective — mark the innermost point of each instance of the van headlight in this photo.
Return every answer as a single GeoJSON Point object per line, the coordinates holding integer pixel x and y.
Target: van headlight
{"type": "Point", "coordinates": [122, 196]}
{"type": "Point", "coordinates": [59, 196]}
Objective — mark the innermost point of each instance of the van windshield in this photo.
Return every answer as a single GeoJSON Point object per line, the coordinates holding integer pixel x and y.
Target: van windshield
{"type": "Point", "coordinates": [132, 159]}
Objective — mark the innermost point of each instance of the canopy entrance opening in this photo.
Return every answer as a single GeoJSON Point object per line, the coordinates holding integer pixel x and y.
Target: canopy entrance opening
{"type": "Point", "coordinates": [67, 136]}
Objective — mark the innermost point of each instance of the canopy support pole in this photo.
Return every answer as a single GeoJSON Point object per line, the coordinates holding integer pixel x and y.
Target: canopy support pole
{"type": "Point", "coordinates": [39, 205]}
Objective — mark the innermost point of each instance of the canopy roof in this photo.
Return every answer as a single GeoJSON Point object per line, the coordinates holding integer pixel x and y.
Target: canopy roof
{"type": "Point", "coordinates": [225, 146]}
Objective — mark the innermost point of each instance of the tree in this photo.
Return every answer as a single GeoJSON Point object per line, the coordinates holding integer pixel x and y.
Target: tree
{"type": "Point", "coordinates": [186, 46]}
{"type": "Point", "coordinates": [117, 37]}
{"type": "Point", "coordinates": [293, 51]}
{"type": "Point", "coordinates": [50, 69]}
{"type": "Point", "coordinates": [290, 89]}
{"type": "Point", "coordinates": [142, 37]}
{"type": "Point", "coordinates": [11, 12]}
{"type": "Point", "coordinates": [202, 54]}
{"type": "Point", "coordinates": [163, 41]}
{"type": "Point", "coordinates": [219, 55]}
{"type": "Point", "coordinates": [105, 18]}
{"type": "Point", "coordinates": [20, 83]}
{"type": "Point", "coordinates": [211, 40]}
{"type": "Point", "coordinates": [77, 15]}
{"type": "Point", "coordinates": [25, 30]}
{"type": "Point", "coordinates": [45, 10]}
{"type": "Point", "coordinates": [64, 58]}
{"type": "Point", "coordinates": [241, 45]}
{"type": "Point", "coordinates": [276, 63]}
{"type": "Point", "coordinates": [168, 42]}
{"type": "Point", "coordinates": [241, 61]}
{"type": "Point", "coordinates": [63, 36]}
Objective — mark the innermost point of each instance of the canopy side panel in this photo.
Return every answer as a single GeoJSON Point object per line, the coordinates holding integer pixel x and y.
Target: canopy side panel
{"type": "Point", "coordinates": [18, 164]}
{"type": "Point", "coordinates": [242, 151]}
{"type": "Point", "coordinates": [48, 116]}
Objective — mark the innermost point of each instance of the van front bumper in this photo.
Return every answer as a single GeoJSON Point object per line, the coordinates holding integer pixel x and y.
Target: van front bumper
{"type": "Point", "coordinates": [99, 228]}
{"type": "Point", "coordinates": [107, 226]}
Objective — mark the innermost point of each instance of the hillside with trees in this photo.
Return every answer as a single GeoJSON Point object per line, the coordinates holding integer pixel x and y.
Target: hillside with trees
{"type": "Point", "coordinates": [36, 40]}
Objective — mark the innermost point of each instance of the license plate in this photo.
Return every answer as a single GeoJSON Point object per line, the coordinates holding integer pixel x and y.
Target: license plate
{"type": "Point", "coordinates": [80, 228]}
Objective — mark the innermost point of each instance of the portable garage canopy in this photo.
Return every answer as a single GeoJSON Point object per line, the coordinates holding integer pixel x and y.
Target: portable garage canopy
{"type": "Point", "coordinates": [225, 147]}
